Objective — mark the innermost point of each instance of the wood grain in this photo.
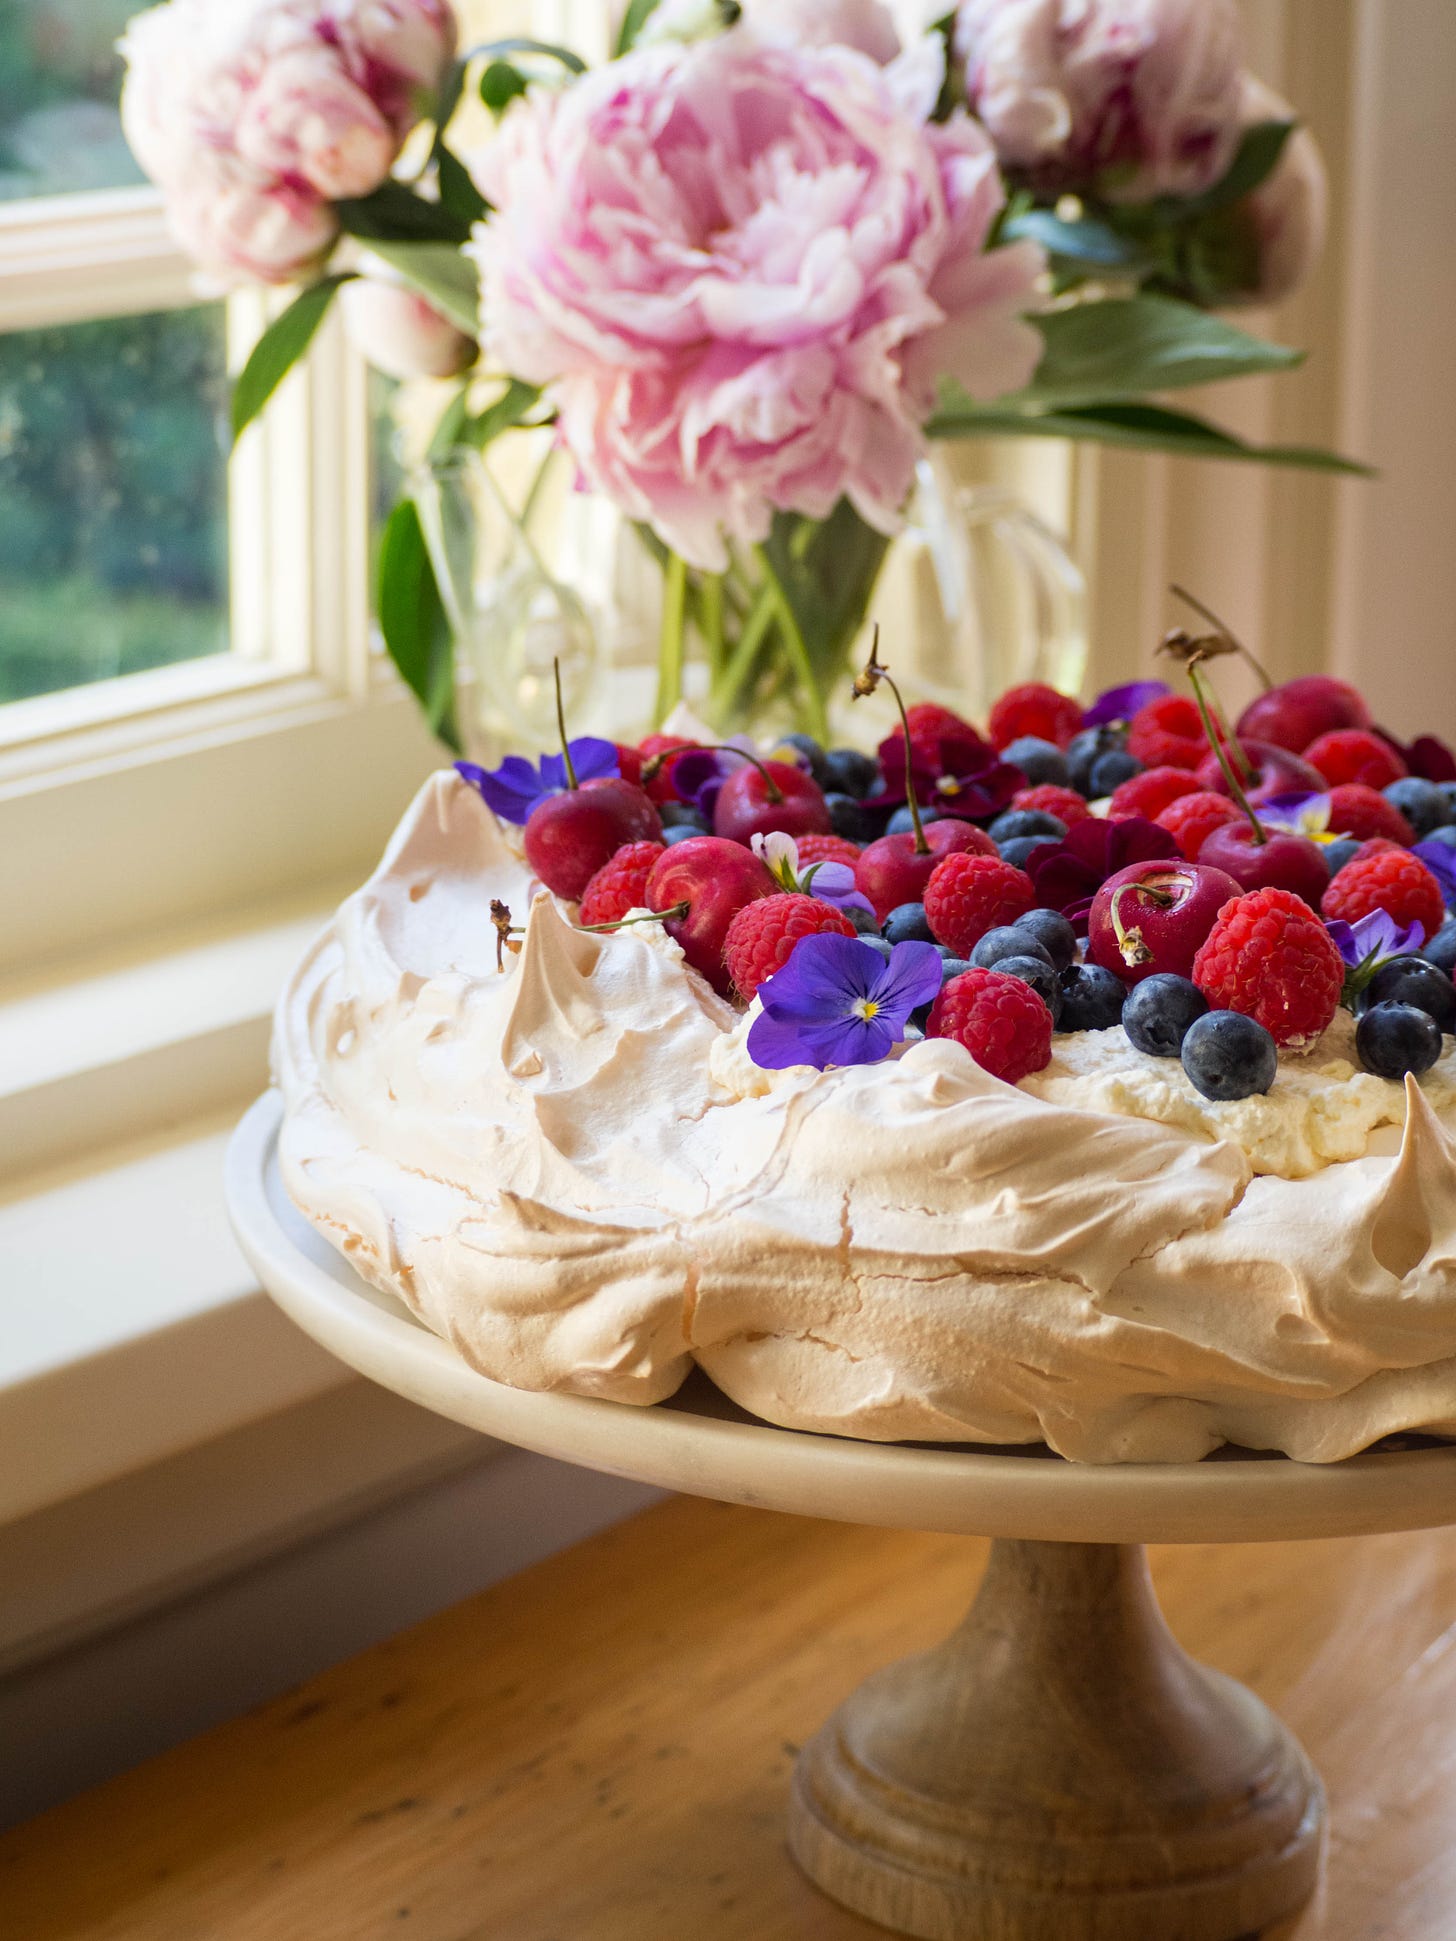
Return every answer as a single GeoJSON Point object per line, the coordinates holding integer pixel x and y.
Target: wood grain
{"type": "Point", "coordinates": [600, 1749]}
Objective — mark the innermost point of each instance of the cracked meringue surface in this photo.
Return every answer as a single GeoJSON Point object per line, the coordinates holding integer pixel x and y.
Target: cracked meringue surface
{"type": "Point", "coordinates": [571, 1170]}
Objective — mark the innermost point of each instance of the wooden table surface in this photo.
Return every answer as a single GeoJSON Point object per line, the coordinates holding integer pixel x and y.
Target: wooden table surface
{"type": "Point", "coordinates": [599, 1749]}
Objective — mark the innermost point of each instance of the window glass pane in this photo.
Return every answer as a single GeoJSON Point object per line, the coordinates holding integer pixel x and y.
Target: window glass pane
{"type": "Point", "coordinates": [113, 498]}
{"type": "Point", "coordinates": [60, 80]}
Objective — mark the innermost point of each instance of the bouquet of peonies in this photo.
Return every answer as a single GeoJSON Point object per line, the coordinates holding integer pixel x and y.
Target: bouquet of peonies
{"type": "Point", "coordinates": [746, 268]}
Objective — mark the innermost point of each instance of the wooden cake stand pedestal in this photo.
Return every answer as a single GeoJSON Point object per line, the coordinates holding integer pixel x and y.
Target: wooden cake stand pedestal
{"type": "Point", "coordinates": [1058, 1769]}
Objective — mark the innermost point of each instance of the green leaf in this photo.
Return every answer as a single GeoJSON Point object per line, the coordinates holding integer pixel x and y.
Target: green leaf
{"type": "Point", "coordinates": [1088, 240]}
{"type": "Point", "coordinates": [513, 405]}
{"type": "Point", "coordinates": [413, 621]}
{"type": "Point", "coordinates": [445, 278]}
{"type": "Point", "coordinates": [279, 349]}
{"type": "Point", "coordinates": [1255, 161]}
{"type": "Point", "coordinates": [633, 21]}
{"type": "Point", "coordinates": [448, 100]}
{"type": "Point", "coordinates": [451, 422]}
{"type": "Point", "coordinates": [500, 85]}
{"type": "Point", "coordinates": [515, 44]}
{"type": "Point", "coordinates": [458, 193]}
{"type": "Point", "coordinates": [1135, 427]}
{"type": "Point", "coordinates": [395, 214]}
{"type": "Point", "coordinates": [1122, 348]}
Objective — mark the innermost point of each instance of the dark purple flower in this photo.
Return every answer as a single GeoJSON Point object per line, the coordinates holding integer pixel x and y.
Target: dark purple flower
{"type": "Point", "coordinates": [1068, 874]}
{"type": "Point", "coordinates": [1122, 703]}
{"type": "Point", "coordinates": [839, 1002]}
{"type": "Point", "coordinates": [960, 775]}
{"type": "Point", "coordinates": [1374, 938]}
{"type": "Point", "coordinates": [698, 776]}
{"type": "Point", "coordinates": [1440, 859]}
{"type": "Point", "coordinates": [514, 789]}
{"type": "Point", "coordinates": [1426, 756]}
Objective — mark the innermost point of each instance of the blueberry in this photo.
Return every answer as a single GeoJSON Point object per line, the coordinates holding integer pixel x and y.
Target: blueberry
{"type": "Point", "coordinates": [1009, 940]}
{"type": "Point", "coordinates": [1393, 1039]}
{"type": "Point", "coordinates": [1092, 998]}
{"type": "Point", "coordinates": [866, 923]}
{"type": "Point", "coordinates": [907, 923]}
{"type": "Point", "coordinates": [681, 832]}
{"type": "Point", "coordinates": [950, 966]}
{"type": "Point", "coordinates": [881, 945]}
{"type": "Point", "coordinates": [1448, 792]}
{"type": "Point", "coordinates": [849, 772]}
{"type": "Point", "coordinates": [1229, 1056]}
{"type": "Point", "coordinates": [849, 817]}
{"type": "Point", "coordinates": [1444, 832]}
{"type": "Point", "coordinates": [1159, 1011]}
{"type": "Point", "coordinates": [1421, 803]}
{"type": "Point", "coordinates": [1038, 760]}
{"type": "Point", "coordinates": [1440, 950]}
{"type": "Point", "coordinates": [902, 822]}
{"type": "Point", "coordinates": [809, 749]}
{"type": "Point", "coordinates": [1019, 848]}
{"type": "Point", "coordinates": [1337, 854]}
{"type": "Point", "coordinates": [1052, 931]}
{"type": "Point", "coordinates": [682, 815]}
{"type": "Point", "coordinates": [1109, 771]}
{"type": "Point", "coordinates": [1411, 980]}
{"type": "Point", "coordinates": [1085, 748]}
{"type": "Point", "coordinates": [949, 956]}
{"type": "Point", "coordinates": [1026, 822]}
{"type": "Point", "coordinates": [1041, 977]}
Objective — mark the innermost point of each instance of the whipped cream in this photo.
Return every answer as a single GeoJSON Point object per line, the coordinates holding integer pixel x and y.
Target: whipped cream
{"type": "Point", "coordinates": [570, 1169]}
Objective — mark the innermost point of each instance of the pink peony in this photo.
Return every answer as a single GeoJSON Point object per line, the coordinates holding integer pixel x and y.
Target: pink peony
{"type": "Point", "coordinates": [253, 115]}
{"type": "Point", "coordinates": [399, 333]}
{"type": "Point", "coordinates": [741, 268]}
{"type": "Point", "coordinates": [865, 24]}
{"type": "Point", "coordinates": [1135, 98]}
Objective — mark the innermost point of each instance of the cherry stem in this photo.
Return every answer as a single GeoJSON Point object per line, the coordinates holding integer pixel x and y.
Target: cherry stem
{"type": "Point", "coordinates": [1215, 741]}
{"type": "Point", "coordinates": [866, 683]}
{"type": "Point", "coordinates": [1191, 600]}
{"type": "Point", "coordinates": [654, 764]}
{"type": "Point", "coordinates": [571, 781]}
{"type": "Point", "coordinates": [1130, 942]}
{"type": "Point", "coordinates": [647, 916]}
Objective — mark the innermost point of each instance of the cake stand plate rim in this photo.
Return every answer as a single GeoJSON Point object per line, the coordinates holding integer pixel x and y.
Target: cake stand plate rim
{"type": "Point", "coordinates": [970, 1491]}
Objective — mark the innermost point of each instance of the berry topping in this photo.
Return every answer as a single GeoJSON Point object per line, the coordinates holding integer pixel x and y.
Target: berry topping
{"type": "Point", "coordinates": [761, 797]}
{"type": "Point", "coordinates": [1229, 1056]}
{"type": "Point", "coordinates": [1052, 931]}
{"type": "Point", "coordinates": [1393, 1039]}
{"type": "Point", "coordinates": [1092, 998]}
{"type": "Point", "coordinates": [1152, 916]}
{"type": "Point", "coordinates": [660, 788]}
{"type": "Point", "coordinates": [761, 938]}
{"type": "Point", "coordinates": [1033, 709]}
{"type": "Point", "coordinates": [892, 870]}
{"type": "Point", "coordinates": [1065, 804]}
{"type": "Point", "coordinates": [1026, 822]}
{"type": "Point", "coordinates": [1009, 940]}
{"type": "Point", "coordinates": [1150, 793]}
{"type": "Point", "coordinates": [1295, 713]}
{"type": "Point", "coordinates": [1167, 733]}
{"type": "Point", "coordinates": [1388, 879]}
{"type": "Point", "coordinates": [926, 721]}
{"type": "Point", "coordinates": [1039, 974]}
{"type": "Point", "coordinates": [1440, 950]}
{"type": "Point", "coordinates": [1000, 1021]}
{"type": "Point", "coordinates": [619, 885]}
{"type": "Point", "coordinates": [1283, 862]}
{"type": "Point", "coordinates": [1111, 770]}
{"type": "Point", "coordinates": [1410, 980]}
{"type": "Point", "coordinates": [1275, 772]}
{"type": "Point", "coordinates": [1269, 957]}
{"type": "Point", "coordinates": [715, 879]}
{"type": "Point", "coordinates": [1360, 811]}
{"type": "Point", "coordinates": [1422, 804]}
{"type": "Point", "coordinates": [908, 923]}
{"type": "Point", "coordinates": [1159, 1011]}
{"type": "Point", "coordinates": [1041, 762]}
{"type": "Point", "coordinates": [968, 895]}
{"type": "Point", "coordinates": [849, 771]}
{"type": "Point", "coordinates": [1191, 819]}
{"type": "Point", "coordinates": [826, 849]}
{"type": "Point", "coordinates": [1355, 755]}
{"type": "Point", "coordinates": [570, 836]}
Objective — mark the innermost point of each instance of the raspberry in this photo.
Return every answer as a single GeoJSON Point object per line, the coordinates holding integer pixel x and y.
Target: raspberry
{"type": "Point", "coordinates": [1065, 804]}
{"type": "Point", "coordinates": [1269, 956]}
{"type": "Point", "coordinates": [620, 884]}
{"type": "Point", "coordinates": [928, 723]}
{"type": "Point", "coordinates": [969, 895]}
{"type": "Point", "coordinates": [1001, 1022]}
{"type": "Point", "coordinates": [826, 849]}
{"type": "Point", "coordinates": [660, 788]}
{"type": "Point", "coordinates": [1167, 733]}
{"type": "Point", "coordinates": [1192, 819]}
{"type": "Point", "coordinates": [762, 936]}
{"type": "Point", "coordinates": [629, 762]}
{"type": "Point", "coordinates": [1352, 755]}
{"type": "Point", "coordinates": [1362, 812]}
{"type": "Point", "coordinates": [1034, 709]}
{"type": "Point", "coordinates": [1392, 880]}
{"type": "Point", "coordinates": [1150, 793]}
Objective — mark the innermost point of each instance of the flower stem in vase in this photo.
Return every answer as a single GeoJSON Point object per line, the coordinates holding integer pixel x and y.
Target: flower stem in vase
{"type": "Point", "coordinates": [673, 639]}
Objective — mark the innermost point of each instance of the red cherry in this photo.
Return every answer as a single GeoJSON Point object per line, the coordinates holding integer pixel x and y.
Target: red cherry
{"type": "Point", "coordinates": [569, 836]}
{"type": "Point", "coordinates": [890, 872]}
{"type": "Point", "coordinates": [1277, 772]}
{"type": "Point", "coordinates": [660, 788]}
{"type": "Point", "coordinates": [746, 807]}
{"type": "Point", "coordinates": [1292, 716]}
{"type": "Point", "coordinates": [1152, 916]}
{"type": "Point", "coordinates": [716, 879]}
{"type": "Point", "coordinates": [1282, 863]}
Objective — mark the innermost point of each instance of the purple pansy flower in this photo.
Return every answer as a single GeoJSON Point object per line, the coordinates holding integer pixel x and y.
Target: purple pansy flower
{"type": "Point", "coordinates": [515, 788]}
{"type": "Point", "coordinates": [1122, 703]}
{"type": "Point", "coordinates": [1302, 812]}
{"type": "Point", "coordinates": [839, 1002]}
{"type": "Point", "coordinates": [1068, 874]}
{"type": "Point", "coordinates": [1440, 859]}
{"type": "Point", "coordinates": [959, 774]}
{"type": "Point", "coordinates": [832, 883]}
{"type": "Point", "coordinates": [1369, 943]}
{"type": "Point", "coordinates": [699, 774]}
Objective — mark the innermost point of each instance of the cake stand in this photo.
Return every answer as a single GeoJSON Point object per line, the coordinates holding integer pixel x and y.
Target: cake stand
{"type": "Point", "coordinates": [1058, 1769]}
